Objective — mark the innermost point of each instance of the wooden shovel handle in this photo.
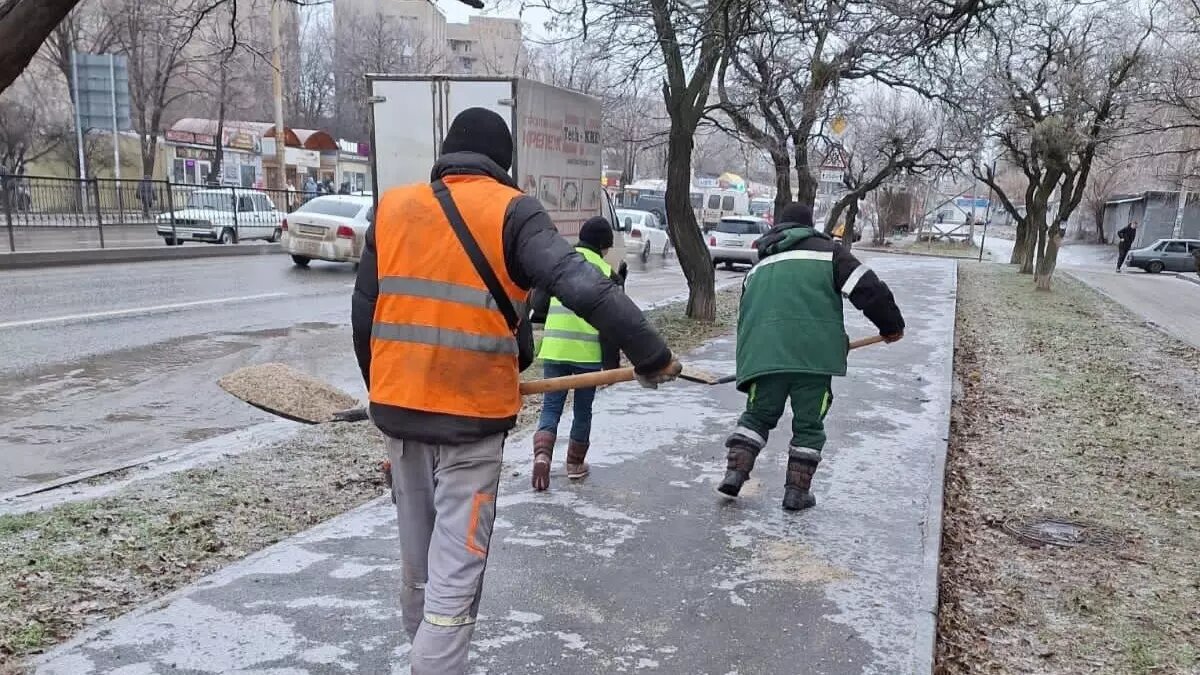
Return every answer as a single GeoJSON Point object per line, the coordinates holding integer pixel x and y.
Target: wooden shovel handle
{"type": "Point", "coordinates": [606, 377]}
{"type": "Point", "coordinates": [873, 340]}
{"type": "Point", "coordinates": [583, 381]}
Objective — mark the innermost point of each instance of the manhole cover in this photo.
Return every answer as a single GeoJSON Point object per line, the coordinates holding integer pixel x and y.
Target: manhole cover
{"type": "Point", "coordinates": [1042, 531]}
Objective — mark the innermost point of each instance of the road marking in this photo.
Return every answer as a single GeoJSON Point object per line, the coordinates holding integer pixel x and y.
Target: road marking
{"type": "Point", "coordinates": [138, 310]}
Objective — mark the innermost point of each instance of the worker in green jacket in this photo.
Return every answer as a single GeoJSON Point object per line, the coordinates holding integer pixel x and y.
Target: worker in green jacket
{"type": "Point", "coordinates": [792, 341]}
{"type": "Point", "coordinates": [572, 346]}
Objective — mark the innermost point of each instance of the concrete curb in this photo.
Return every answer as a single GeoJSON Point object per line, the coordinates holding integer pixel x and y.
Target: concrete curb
{"type": "Point", "coordinates": [918, 254]}
{"type": "Point", "coordinates": [1190, 278]}
{"type": "Point", "coordinates": [36, 259]}
{"type": "Point", "coordinates": [931, 539]}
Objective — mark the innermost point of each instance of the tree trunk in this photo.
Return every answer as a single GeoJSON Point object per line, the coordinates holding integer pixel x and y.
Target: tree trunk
{"type": "Point", "coordinates": [1028, 256]}
{"type": "Point", "coordinates": [1019, 247]}
{"type": "Point", "coordinates": [217, 171]}
{"type": "Point", "coordinates": [806, 183]}
{"type": "Point", "coordinates": [783, 182]}
{"type": "Point", "coordinates": [24, 27]}
{"type": "Point", "coordinates": [1099, 219]}
{"type": "Point", "coordinates": [851, 223]}
{"type": "Point", "coordinates": [685, 233]}
{"type": "Point", "coordinates": [1048, 260]}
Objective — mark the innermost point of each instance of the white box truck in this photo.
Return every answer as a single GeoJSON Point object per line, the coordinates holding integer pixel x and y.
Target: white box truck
{"type": "Point", "coordinates": [556, 139]}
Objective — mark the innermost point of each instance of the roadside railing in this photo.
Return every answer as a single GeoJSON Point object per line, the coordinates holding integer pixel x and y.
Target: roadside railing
{"type": "Point", "coordinates": [46, 213]}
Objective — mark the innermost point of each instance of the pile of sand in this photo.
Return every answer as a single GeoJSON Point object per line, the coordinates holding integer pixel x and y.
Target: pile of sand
{"type": "Point", "coordinates": [285, 391]}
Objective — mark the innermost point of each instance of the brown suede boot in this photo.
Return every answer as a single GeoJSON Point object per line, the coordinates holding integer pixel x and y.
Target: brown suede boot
{"type": "Point", "coordinates": [543, 453]}
{"type": "Point", "coordinates": [802, 464]}
{"type": "Point", "coordinates": [577, 468]}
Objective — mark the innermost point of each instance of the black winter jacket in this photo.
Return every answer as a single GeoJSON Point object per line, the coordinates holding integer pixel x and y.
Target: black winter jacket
{"type": "Point", "coordinates": [1126, 235]}
{"type": "Point", "coordinates": [539, 305]}
{"type": "Point", "coordinates": [535, 255]}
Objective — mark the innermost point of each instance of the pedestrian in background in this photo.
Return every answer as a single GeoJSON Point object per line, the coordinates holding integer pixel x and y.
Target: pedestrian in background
{"type": "Point", "coordinates": [145, 193]}
{"type": "Point", "coordinates": [572, 346]}
{"type": "Point", "coordinates": [310, 188]}
{"type": "Point", "coordinates": [441, 344]}
{"type": "Point", "coordinates": [1125, 236]}
{"type": "Point", "coordinates": [791, 342]}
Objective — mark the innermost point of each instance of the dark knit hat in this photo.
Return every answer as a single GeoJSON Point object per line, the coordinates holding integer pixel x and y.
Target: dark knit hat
{"type": "Point", "coordinates": [483, 131]}
{"type": "Point", "coordinates": [797, 213]}
{"type": "Point", "coordinates": [596, 234]}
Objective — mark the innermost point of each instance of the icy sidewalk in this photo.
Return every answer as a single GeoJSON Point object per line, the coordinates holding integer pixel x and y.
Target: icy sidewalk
{"type": "Point", "coordinates": [639, 568]}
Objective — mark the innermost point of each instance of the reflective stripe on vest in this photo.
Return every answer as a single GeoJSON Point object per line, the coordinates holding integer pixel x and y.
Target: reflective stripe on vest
{"type": "Point", "coordinates": [439, 344]}
{"type": "Point", "coordinates": [569, 338]}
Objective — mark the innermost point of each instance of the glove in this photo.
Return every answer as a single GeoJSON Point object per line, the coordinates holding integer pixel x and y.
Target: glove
{"type": "Point", "coordinates": [894, 337]}
{"type": "Point", "coordinates": [652, 380]}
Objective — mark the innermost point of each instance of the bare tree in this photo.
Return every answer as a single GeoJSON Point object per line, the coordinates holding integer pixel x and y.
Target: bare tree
{"type": "Point", "coordinates": [312, 101]}
{"type": "Point", "coordinates": [780, 79]}
{"type": "Point", "coordinates": [892, 137]}
{"type": "Point", "coordinates": [155, 35]}
{"type": "Point", "coordinates": [679, 44]}
{"type": "Point", "coordinates": [1103, 184]}
{"type": "Point", "coordinates": [27, 133]}
{"type": "Point", "coordinates": [375, 43]}
{"type": "Point", "coordinates": [1063, 81]}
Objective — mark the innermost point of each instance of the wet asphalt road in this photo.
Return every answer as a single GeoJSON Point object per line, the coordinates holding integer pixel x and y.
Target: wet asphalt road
{"type": "Point", "coordinates": [105, 365]}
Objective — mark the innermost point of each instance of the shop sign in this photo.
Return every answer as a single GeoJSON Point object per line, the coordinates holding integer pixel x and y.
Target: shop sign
{"type": "Point", "coordinates": [204, 154]}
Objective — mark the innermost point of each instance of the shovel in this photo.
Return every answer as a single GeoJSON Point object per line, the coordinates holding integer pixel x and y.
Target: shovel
{"type": "Point", "coordinates": [855, 344]}
{"type": "Point", "coordinates": [606, 377]}
{"type": "Point", "coordinates": [288, 393]}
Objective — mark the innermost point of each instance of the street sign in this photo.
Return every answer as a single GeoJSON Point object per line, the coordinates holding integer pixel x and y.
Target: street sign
{"type": "Point", "coordinates": [101, 81]}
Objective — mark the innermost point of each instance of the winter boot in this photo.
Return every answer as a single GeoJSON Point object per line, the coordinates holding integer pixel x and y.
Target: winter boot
{"type": "Point", "coordinates": [802, 464]}
{"type": "Point", "coordinates": [577, 468]}
{"type": "Point", "coordinates": [743, 450]}
{"type": "Point", "coordinates": [543, 453]}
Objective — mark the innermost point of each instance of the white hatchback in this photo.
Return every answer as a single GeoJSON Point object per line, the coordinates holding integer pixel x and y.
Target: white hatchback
{"type": "Point", "coordinates": [646, 233]}
{"type": "Point", "coordinates": [732, 240]}
{"type": "Point", "coordinates": [330, 227]}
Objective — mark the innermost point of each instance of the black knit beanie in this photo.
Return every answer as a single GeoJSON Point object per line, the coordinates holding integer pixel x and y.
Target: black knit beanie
{"type": "Point", "coordinates": [483, 131]}
{"type": "Point", "coordinates": [797, 213]}
{"type": "Point", "coordinates": [596, 234]}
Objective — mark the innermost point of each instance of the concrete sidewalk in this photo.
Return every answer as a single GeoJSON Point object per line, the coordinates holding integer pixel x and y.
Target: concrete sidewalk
{"type": "Point", "coordinates": [640, 567]}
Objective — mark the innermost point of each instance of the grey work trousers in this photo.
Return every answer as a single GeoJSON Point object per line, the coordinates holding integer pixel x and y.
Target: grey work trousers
{"type": "Point", "coordinates": [446, 506]}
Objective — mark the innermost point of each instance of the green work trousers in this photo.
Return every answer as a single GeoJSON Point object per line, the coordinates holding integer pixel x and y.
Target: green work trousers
{"type": "Point", "coordinates": [811, 397]}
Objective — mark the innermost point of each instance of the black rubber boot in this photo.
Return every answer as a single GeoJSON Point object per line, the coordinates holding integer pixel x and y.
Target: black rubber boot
{"type": "Point", "coordinates": [740, 462]}
{"type": "Point", "coordinates": [797, 494]}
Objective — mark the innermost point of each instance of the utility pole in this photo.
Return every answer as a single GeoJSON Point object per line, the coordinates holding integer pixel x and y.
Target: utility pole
{"type": "Point", "coordinates": [277, 67]}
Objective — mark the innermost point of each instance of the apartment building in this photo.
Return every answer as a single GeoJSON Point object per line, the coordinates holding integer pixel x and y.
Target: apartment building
{"type": "Point", "coordinates": [482, 46]}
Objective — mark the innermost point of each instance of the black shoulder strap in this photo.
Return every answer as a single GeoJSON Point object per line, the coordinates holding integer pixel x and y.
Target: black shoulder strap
{"type": "Point", "coordinates": [478, 259]}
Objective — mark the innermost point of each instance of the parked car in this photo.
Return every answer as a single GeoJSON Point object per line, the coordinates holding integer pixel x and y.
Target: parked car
{"type": "Point", "coordinates": [222, 216]}
{"type": "Point", "coordinates": [330, 227]}
{"type": "Point", "coordinates": [732, 240]}
{"type": "Point", "coordinates": [646, 233]}
{"type": "Point", "coordinates": [1171, 255]}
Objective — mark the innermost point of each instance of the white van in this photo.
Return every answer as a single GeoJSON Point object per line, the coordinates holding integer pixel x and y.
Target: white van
{"type": "Point", "coordinates": [719, 203]}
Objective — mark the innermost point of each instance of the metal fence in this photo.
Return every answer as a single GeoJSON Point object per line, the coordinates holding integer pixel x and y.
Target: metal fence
{"type": "Point", "coordinates": [44, 213]}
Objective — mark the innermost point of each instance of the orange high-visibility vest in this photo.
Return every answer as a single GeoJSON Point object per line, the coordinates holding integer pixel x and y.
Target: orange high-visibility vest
{"type": "Point", "coordinates": [439, 344]}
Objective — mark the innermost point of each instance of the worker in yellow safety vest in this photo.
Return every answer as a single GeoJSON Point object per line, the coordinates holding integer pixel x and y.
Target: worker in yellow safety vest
{"type": "Point", "coordinates": [572, 346]}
